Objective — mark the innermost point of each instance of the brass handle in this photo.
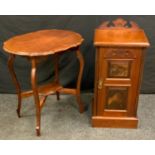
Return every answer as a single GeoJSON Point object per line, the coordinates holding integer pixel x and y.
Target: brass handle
{"type": "Point", "coordinates": [100, 83]}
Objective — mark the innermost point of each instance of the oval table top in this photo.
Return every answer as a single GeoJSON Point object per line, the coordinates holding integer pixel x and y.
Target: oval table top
{"type": "Point", "coordinates": [42, 43]}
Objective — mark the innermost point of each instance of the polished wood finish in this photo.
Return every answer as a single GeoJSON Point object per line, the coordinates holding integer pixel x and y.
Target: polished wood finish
{"type": "Point", "coordinates": [14, 78]}
{"type": "Point", "coordinates": [35, 94]}
{"type": "Point", "coordinates": [42, 43]}
{"type": "Point", "coordinates": [120, 33]}
{"type": "Point", "coordinates": [81, 63]}
{"type": "Point", "coordinates": [120, 50]}
{"type": "Point", "coordinates": [36, 46]}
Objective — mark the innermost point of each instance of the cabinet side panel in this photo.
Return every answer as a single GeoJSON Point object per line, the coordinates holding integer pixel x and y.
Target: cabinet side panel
{"type": "Point", "coordinates": [140, 76]}
{"type": "Point", "coordinates": [95, 98]}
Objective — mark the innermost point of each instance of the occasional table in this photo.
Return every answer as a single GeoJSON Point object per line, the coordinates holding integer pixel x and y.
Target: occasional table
{"type": "Point", "coordinates": [36, 46]}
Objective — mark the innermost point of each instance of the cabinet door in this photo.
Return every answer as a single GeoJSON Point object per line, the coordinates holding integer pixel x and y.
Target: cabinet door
{"type": "Point", "coordinates": [118, 81]}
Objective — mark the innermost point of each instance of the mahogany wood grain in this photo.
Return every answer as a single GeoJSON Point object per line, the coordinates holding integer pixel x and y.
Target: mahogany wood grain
{"type": "Point", "coordinates": [120, 49]}
{"type": "Point", "coordinates": [17, 85]}
{"type": "Point", "coordinates": [122, 37]}
{"type": "Point", "coordinates": [68, 91]}
{"type": "Point", "coordinates": [36, 95]}
{"type": "Point", "coordinates": [120, 33]}
{"type": "Point", "coordinates": [115, 122]}
{"type": "Point", "coordinates": [42, 101]}
{"type": "Point", "coordinates": [43, 42]}
{"type": "Point", "coordinates": [44, 90]}
{"type": "Point", "coordinates": [81, 63]}
{"type": "Point", "coordinates": [36, 47]}
{"type": "Point", "coordinates": [56, 69]}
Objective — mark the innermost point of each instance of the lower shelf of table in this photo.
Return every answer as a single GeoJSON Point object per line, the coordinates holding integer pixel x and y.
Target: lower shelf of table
{"type": "Point", "coordinates": [48, 89]}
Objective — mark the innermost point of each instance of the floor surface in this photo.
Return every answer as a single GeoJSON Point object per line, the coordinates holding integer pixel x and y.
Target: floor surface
{"type": "Point", "coordinates": [61, 120]}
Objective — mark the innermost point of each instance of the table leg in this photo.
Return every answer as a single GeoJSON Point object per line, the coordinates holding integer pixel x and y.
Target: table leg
{"type": "Point", "coordinates": [81, 62]}
{"type": "Point", "coordinates": [36, 95]}
{"type": "Point", "coordinates": [56, 70]}
{"type": "Point", "coordinates": [14, 78]}
{"type": "Point", "coordinates": [58, 95]}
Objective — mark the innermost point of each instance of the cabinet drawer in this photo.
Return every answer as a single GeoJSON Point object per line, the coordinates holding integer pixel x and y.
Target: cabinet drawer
{"type": "Point", "coordinates": [120, 53]}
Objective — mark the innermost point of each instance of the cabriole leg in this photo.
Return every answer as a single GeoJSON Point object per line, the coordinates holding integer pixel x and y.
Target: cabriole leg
{"type": "Point", "coordinates": [56, 70]}
{"type": "Point", "coordinates": [36, 95]}
{"type": "Point", "coordinates": [14, 78]}
{"type": "Point", "coordinates": [81, 62]}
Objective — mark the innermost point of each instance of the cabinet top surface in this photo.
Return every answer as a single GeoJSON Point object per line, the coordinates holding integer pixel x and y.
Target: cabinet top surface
{"type": "Point", "coordinates": [43, 42]}
{"type": "Point", "coordinates": [120, 33]}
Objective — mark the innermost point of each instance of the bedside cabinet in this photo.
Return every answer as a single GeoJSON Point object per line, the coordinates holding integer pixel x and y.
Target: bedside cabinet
{"type": "Point", "coordinates": [120, 49]}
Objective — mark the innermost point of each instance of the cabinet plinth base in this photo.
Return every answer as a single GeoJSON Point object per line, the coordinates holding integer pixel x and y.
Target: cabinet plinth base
{"type": "Point", "coordinates": [114, 122]}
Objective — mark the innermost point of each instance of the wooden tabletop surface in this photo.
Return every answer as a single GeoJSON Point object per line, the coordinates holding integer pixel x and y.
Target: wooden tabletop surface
{"type": "Point", "coordinates": [42, 43]}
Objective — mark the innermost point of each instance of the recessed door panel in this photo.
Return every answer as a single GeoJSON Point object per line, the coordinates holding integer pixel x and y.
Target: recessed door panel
{"type": "Point", "coordinates": [118, 69]}
{"type": "Point", "coordinates": [116, 98]}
